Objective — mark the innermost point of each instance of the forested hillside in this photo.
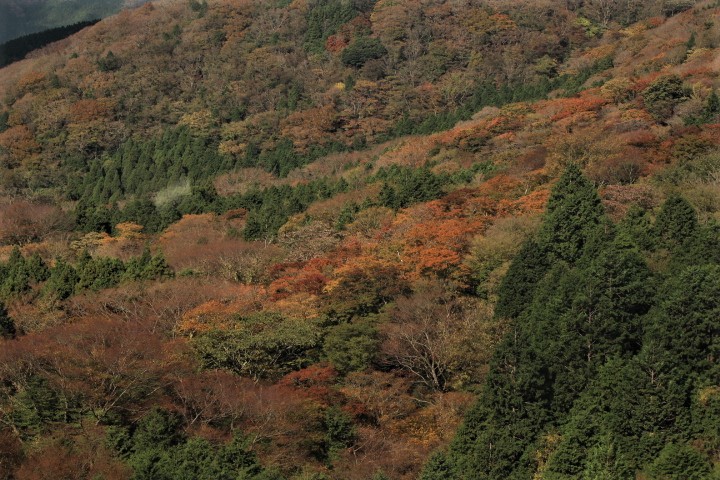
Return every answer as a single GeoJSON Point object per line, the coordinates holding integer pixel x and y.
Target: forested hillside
{"type": "Point", "coordinates": [357, 239]}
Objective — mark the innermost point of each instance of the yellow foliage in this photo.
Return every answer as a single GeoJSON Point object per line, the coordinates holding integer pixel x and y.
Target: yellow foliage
{"type": "Point", "coordinates": [201, 121]}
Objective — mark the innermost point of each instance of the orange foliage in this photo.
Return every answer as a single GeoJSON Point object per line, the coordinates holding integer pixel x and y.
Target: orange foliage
{"type": "Point", "coordinates": [533, 202]}
{"type": "Point", "coordinates": [500, 186]}
{"type": "Point", "coordinates": [20, 142]}
{"type": "Point", "coordinates": [563, 108]}
{"type": "Point", "coordinates": [30, 80]}
{"type": "Point", "coordinates": [218, 313]}
{"type": "Point", "coordinates": [308, 279]}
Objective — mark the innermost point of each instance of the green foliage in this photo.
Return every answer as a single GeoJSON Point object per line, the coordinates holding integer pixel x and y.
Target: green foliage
{"type": "Point", "coordinates": [636, 226]}
{"type": "Point", "coordinates": [96, 274]}
{"type": "Point", "coordinates": [351, 346]}
{"type": "Point", "coordinates": [573, 222]}
{"type": "Point", "coordinates": [37, 405]}
{"type": "Point", "coordinates": [63, 279]}
{"type": "Point", "coordinates": [408, 186]}
{"type": "Point", "coordinates": [269, 209]}
{"type": "Point", "coordinates": [690, 299]}
{"type": "Point", "coordinates": [680, 462]}
{"type": "Point", "coordinates": [4, 117]}
{"type": "Point", "coordinates": [676, 224]}
{"type": "Point", "coordinates": [14, 276]}
{"type": "Point", "coordinates": [340, 431]}
{"type": "Point", "coordinates": [361, 50]}
{"type": "Point", "coordinates": [109, 62]}
{"type": "Point", "coordinates": [518, 285]}
{"type": "Point", "coordinates": [147, 267]}
{"type": "Point", "coordinates": [262, 345]}
{"type": "Point", "coordinates": [663, 95]}
{"type": "Point", "coordinates": [603, 372]}
{"type": "Point", "coordinates": [199, 6]}
{"type": "Point", "coordinates": [573, 217]}
{"type": "Point", "coordinates": [143, 167]}
{"type": "Point", "coordinates": [61, 283]}
{"type": "Point", "coordinates": [140, 169]}
{"type": "Point", "coordinates": [437, 467]}
{"type": "Point", "coordinates": [158, 450]}
{"type": "Point", "coordinates": [36, 268]}
{"type": "Point", "coordinates": [673, 7]}
{"type": "Point", "coordinates": [324, 18]}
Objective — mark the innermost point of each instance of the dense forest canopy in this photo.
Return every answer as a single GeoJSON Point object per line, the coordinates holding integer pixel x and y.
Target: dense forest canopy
{"type": "Point", "coordinates": [363, 240]}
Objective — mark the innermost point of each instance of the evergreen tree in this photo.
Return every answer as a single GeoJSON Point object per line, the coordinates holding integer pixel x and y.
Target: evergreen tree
{"type": "Point", "coordinates": [684, 324]}
{"type": "Point", "coordinates": [36, 268]}
{"type": "Point", "coordinates": [574, 214]}
{"type": "Point", "coordinates": [157, 268]}
{"type": "Point", "coordinates": [680, 462]}
{"type": "Point", "coordinates": [676, 224]}
{"type": "Point", "coordinates": [17, 280]}
{"type": "Point", "coordinates": [62, 280]}
{"type": "Point", "coordinates": [7, 326]}
{"type": "Point", "coordinates": [519, 283]}
{"type": "Point", "coordinates": [637, 227]}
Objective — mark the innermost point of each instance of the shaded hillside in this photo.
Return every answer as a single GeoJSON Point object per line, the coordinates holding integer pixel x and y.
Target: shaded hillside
{"type": "Point", "coordinates": [333, 240]}
{"type": "Point", "coordinates": [23, 17]}
{"type": "Point", "coordinates": [14, 50]}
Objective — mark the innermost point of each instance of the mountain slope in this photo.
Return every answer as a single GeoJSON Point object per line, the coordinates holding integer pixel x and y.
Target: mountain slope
{"type": "Point", "coordinates": [306, 239]}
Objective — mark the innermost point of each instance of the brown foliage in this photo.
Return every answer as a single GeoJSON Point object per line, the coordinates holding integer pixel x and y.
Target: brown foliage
{"type": "Point", "coordinates": [73, 458]}
{"type": "Point", "coordinates": [22, 221]}
{"type": "Point", "coordinates": [11, 454]}
{"type": "Point", "coordinates": [210, 245]}
{"type": "Point", "coordinates": [20, 142]}
{"type": "Point", "coordinates": [87, 110]}
{"type": "Point", "coordinates": [438, 339]}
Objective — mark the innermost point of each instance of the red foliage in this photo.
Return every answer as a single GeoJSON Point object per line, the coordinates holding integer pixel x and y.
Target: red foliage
{"type": "Point", "coordinates": [336, 43]}
{"type": "Point", "coordinates": [571, 106]}
{"type": "Point", "coordinates": [314, 382]}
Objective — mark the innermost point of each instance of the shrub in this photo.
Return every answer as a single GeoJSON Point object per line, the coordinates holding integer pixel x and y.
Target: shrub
{"type": "Point", "coordinates": [362, 50]}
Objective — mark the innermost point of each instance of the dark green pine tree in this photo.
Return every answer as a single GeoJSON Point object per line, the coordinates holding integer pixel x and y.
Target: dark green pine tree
{"type": "Point", "coordinates": [637, 226]}
{"type": "Point", "coordinates": [604, 318]}
{"type": "Point", "coordinates": [157, 268]}
{"type": "Point", "coordinates": [437, 467]}
{"type": "Point", "coordinates": [496, 440]}
{"type": "Point", "coordinates": [712, 107]}
{"type": "Point", "coordinates": [517, 288]}
{"type": "Point", "coordinates": [574, 221]}
{"type": "Point", "coordinates": [574, 214]}
{"type": "Point", "coordinates": [7, 325]}
{"type": "Point", "coordinates": [388, 197]}
{"type": "Point", "coordinates": [36, 268]}
{"type": "Point", "coordinates": [16, 279]}
{"type": "Point", "coordinates": [676, 224]}
{"type": "Point", "coordinates": [98, 273]}
{"type": "Point", "coordinates": [684, 325]}
{"type": "Point", "coordinates": [620, 422]}
{"type": "Point", "coordinates": [135, 267]}
{"type": "Point", "coordinates": [62, 280]}
{"type": "Point", "coordinates": [681, 462]}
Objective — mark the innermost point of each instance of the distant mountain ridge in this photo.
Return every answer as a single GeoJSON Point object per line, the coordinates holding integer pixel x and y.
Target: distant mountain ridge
{"type": "Point", "coordinates": [23, 17]}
